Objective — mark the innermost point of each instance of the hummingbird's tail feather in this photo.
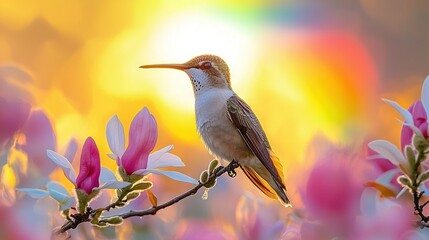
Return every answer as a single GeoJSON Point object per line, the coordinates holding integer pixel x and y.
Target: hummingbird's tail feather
{"type": "Point", "coordinates": [262, 179]}
{"type": "Point", "coordinates": [259, 182]}
{"type": "Point", "coordinates": [281, 188]}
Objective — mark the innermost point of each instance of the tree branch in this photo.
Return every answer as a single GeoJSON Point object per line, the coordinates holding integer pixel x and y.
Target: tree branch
{"type": "Point", "coordinates": [79, 218]}
{"type": "Point", "coordinates": [152, 211]}
{"type": "Point", "coordinates": [417, 195]}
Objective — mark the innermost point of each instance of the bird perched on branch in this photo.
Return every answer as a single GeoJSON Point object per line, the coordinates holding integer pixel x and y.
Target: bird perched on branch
{"type": "Point", "coordinates": [228, 126]}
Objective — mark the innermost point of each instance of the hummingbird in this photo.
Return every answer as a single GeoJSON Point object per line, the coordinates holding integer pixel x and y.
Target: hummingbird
{"type": "Point", "coordinates": [229, 128]}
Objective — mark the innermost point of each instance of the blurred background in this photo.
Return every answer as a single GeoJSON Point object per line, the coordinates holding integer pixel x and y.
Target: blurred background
{"type": "Point", "coordinates": [307, 69]}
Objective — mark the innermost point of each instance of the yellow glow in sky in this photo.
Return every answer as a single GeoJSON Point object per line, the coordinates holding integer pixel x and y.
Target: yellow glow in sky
{"type": "Point", "coordinates": [177, 38]}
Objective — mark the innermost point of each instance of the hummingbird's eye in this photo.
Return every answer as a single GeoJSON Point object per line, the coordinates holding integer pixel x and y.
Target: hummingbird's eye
{"type": "Point", "coordinates": [206, 65]}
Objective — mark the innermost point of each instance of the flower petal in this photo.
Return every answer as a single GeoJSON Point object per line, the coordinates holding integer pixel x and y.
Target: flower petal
{"type": "Point", "coordinates": [58, 188]}
{"type": "Point", "coordinates": [89, 170]}
{"type": "Point", "coordinates": [171, 174]}
{"type": "Point", "coordinates": [34, 192]}
{"type": "Point", "coordinates": [115, 136]}
{"type": "Point", "coordinates": [107, 175]}
{"type": "Point", "coordinates": [63, 163]}
{"type": "Point", "coordinates": [387, 177]}
{"type": "Point", "coordinates": [404, 112]}
{"type": "Point", "coordinates": [157, 154]}
{"type": "Point", "coordinates": [368, 201]}
{"type": "Point", "coordinates": [425, 94]}
{"type": "Point", "coordinates": [113, 184]}
{"type": "Point", "coordinates": [71, 149]}
{"type": "Point", "coordinates": [388, 151]}
{"type": "Point", "coordinates": [403, 190]}
{"type": "Point", "coordinates": [142, 139]}
{"type": "Point", "coordinates": [162, 158]}
{"type": "Point", "coordinates": [109, 180]}
{"type": "Point", "coordinates": [415, 129]}
{"type": "Point", "coordinates": [113, 156]}
{"type": "Point", "coordinates": [59, 193]}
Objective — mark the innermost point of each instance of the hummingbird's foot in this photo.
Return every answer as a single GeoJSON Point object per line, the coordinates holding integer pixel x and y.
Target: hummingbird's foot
{"type": "Point", "coordinates": [231, 168]}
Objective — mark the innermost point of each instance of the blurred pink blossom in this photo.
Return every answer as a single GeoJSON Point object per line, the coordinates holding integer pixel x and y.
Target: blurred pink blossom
{"type": "Point", "coordinates": [203, 230]}
{"type": "Point", "coordinates": [39, 136]}
{"type": "Point", "coordinates": [22, 222]}
{"type": "Point", "coordinates": [379, 163]}
{"type": "Point", "coordinates": [420, 121]}
{"type": "Point", "coordinates": [13, 115]}
{"type": "Point", "coordinates": [383, 218]}
{"type": "Point", "coordinates": [382, 171]}
{"type": "Point", "coordinates": [89, 171]}
{"type": "Point", "coordinates": [332, 192]}
{"type": "Point", "coordinates": [314, 231]}
{"type": "Point", "coordinates": [258, 220]}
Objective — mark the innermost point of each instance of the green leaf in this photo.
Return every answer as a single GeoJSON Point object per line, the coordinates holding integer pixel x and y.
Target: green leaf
{"type": "Point", "coordinates": [84, 199]}
{"type": "Point", "coordinates": [420, 143]}
{"type": "Point", "coordinates": [213, 164]}
{"type": "Point", "coordinates": [101, 224]}
{"type": "Point", "coordinates": [129, 178]}
{"type": "Point", "coordinates": [66, 214]}
{"type": "Point", "coordinates": [122, 173]}
{"type": "Point", "coordinates": [204, 177]}
{"type": "Point", "coordinates": [423, 177]}
{"type": "Point", "coordinates": [116, 220]}
{"type": "Point", "coordinates": [132, 195]}
{"type": "Point", "coordinates": [118, 192]}
{"type": "Point", "coordinates": [97, 215]}
{"type": "Point", "coordinates": [210, 184]}
{"type": "Point", "coordinates": [405, 181]}
{"type": "Point", "coordinates": [411, 157]}
{"type": "Point", "coordinates": [141, 186]}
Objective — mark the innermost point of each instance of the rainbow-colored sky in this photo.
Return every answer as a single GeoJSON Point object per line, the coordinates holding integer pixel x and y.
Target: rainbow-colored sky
{"type": "Point", "coordinates": [305, 68]}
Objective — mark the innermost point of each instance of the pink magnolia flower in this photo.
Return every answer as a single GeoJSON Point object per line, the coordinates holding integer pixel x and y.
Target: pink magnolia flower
{"type": "Point", "coordinates": [380, 164]}
{"type": "Point", "coordinates": [331, 195]}
{"type": "Point", "coordinates": [90, 174]}
{"type": "Point", "coordinates": [415, 123]}
{"type": "Point", "coordinates": [257, 220]}
{"type": "Point", "coordinates": [89, 171]}
{"type": "Point", "coordinates": [142, 140]}
{"type": "Point", "coordinates": [383, 218]}
{"type": "Point", "coordinates": [136, 158]}
{"type": "Point", "coordinates": [420, 121]}
{"type": "Point", "coordinates": [331, 198]}
{"type": "Point", "coordinates": [384, 175]}
{"type": "Point", "coordinates": [415, 119]}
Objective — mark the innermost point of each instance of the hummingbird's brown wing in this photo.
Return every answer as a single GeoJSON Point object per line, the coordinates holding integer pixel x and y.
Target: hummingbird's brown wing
{"type": "Point", "coordinates": [250, 129]}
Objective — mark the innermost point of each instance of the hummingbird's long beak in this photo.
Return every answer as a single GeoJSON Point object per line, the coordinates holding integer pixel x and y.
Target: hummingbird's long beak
{"type": "Point", "coordinates": [174, 66]}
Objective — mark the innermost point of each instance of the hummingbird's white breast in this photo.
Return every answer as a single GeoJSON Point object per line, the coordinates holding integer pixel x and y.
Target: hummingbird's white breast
{"type": "Point", "coordinates": [218, 132]}
{"type": "Point", "coordinates": [210, 104]}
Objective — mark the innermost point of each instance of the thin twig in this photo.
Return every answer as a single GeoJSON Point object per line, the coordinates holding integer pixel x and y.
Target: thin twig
{"type": "Point", "coordinates": [417, 195]}
{"type": "Point", "coordinates": [87, 217]}
{"type": "Point", "coordinates": [152, 211]}
{"type": "Point", "coordinates": [424, 204]}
